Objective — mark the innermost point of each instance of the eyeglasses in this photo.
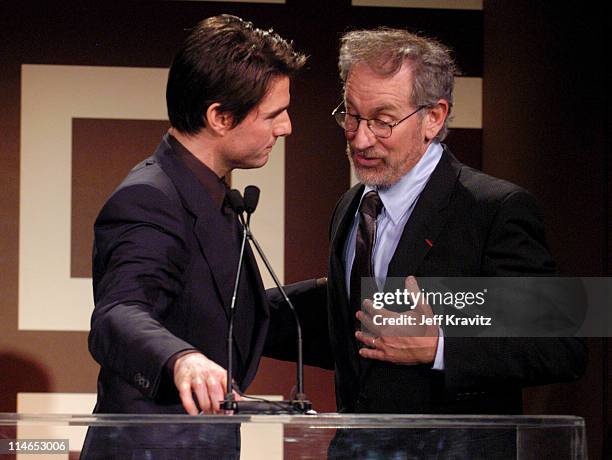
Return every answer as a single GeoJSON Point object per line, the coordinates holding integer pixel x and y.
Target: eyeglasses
{"type": "Point", "coordinates": [381, 129]}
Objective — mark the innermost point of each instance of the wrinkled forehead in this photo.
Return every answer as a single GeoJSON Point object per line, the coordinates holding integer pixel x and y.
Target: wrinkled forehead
{"type": "Point", "coordinates": [367, 82]}
{"type": "Point", "coordinates": [384, 64]}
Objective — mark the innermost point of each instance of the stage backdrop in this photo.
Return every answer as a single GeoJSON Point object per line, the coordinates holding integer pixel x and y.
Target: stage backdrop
{"type": "Point", "coordinates": [82, 90]}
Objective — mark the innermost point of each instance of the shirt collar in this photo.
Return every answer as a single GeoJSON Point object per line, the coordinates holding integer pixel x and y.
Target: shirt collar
{"type": "Point", "coordinates": [402, 195]}
{"type": "Point", "coordinates": [214, 185]}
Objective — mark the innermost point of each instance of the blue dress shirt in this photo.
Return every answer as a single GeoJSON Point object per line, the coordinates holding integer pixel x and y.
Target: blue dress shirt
{"type": "Point", "coordinates": [398, 201]}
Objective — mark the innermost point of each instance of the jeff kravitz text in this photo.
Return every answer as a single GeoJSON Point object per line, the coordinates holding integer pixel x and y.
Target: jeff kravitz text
{"type": "Point", "coordinates": [426, 320]}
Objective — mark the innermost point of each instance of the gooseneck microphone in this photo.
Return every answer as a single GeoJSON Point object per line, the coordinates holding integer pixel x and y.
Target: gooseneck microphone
{"type": "Point", "coordinates": [251, 200]}
{"type": "Point", "coordinates": [300, 403]}
{"type": "Point", "coordinates": [237, 205]}
{"type": "Point", "coordinates": [236, 202]}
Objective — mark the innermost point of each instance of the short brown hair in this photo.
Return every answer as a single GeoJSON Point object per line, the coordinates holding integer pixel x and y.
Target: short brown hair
{"type": "Point", "coordinates": [225, 60]}
{"type": "Point", "coordinates": [385, 50]}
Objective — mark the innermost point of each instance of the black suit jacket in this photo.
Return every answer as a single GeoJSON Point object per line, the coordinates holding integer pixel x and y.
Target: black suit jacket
{"type": "Point", "coordinates": [479, 226]}
{"type": "Point", "coordinates": [164, 264]}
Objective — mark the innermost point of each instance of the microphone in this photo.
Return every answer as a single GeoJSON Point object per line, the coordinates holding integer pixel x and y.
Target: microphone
{"type": "Point", "coordinates": [300, 403]}
{"type": "Point", "coordinates": [251, 199]}
{"type": "Point", "coordinates": [237, 204]}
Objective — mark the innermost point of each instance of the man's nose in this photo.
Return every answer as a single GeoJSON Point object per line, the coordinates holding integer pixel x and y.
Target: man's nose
{"type": "Point", "coordinates": [283, 127]}
{"type": "Point", "coordinates": [363, 138]}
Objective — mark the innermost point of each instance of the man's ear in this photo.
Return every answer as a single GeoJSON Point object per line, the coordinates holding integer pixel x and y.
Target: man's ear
{"type": "Point", "coordinates": [433, 121]}
{"type": "Point", "coordinates": [217, 121]}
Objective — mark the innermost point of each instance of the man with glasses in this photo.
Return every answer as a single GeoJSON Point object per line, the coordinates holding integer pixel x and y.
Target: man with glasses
{"type": "Point", "coordinates": [419, 212]}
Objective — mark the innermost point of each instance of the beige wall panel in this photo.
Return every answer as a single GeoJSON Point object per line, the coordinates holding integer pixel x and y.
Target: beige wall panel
{"type": "Point", "coordinates": [262, 441]}
{"type": "Point", "coordinates": [50, 96]}
{"type": "Point", "coordinates": [467, 111]}
{"type": "Point", "coordinates": [54, 403]}
{"type": "Point", "coordinates": [436, 4]}
{"type": "Point", "coordinates": [268, 221]}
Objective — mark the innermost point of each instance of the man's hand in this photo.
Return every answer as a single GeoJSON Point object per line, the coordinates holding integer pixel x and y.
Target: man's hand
{"type": "Point", "coordinates": [405, 344]}
{"type": "Point", "coordinates": [195, 374]}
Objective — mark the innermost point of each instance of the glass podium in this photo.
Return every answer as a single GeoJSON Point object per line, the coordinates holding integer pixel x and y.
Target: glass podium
{"type": "Point", "coordinates": [270, 437]}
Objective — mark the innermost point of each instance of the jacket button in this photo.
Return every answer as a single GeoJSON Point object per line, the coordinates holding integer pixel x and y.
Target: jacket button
{"type": "Point", "coordinates": [141, 380]}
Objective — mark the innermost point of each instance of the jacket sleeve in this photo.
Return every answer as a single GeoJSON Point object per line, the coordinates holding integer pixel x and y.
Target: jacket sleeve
{"type": "Point", "coordinates": [139, 258]}
{"type": "Point", "coordinates": [515, 247]}
{"type": "Point", "coordinates": [310, 301]}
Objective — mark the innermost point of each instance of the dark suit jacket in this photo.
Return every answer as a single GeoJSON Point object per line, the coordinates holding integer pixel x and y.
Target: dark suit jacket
{"type": "Point", "coordinates": [164, 264]}
{"type": "Point", "coordinates": [479, 226]}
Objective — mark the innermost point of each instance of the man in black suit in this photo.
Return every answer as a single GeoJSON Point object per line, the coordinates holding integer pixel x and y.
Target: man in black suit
{"type": "Point", "coordinates": [427, 215]}
{"type": "Point", "coordinates": [166, 244]}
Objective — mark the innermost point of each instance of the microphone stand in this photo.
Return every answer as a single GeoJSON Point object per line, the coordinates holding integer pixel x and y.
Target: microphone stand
{"type": "Point", "coordinates": [300, 404]}
{"type": "Point", "coordinates": [229, 397]}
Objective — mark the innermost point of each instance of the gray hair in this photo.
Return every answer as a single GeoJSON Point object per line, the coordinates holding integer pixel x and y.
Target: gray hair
{"type": "Point", "coordinates": [385, 50]}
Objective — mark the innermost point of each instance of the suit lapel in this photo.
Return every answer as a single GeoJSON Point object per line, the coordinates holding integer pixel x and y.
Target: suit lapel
{"type": "Point", "coordinates": [220, 252]}
{"type": "Point", "coordinates": [341, 224]}
{"type": "Point", "coordinates": [427, 218]}
{"type": "Point", "coordinates": [339, 308]}
{"type": "Point", "coordinates": [341, 227]}
{"type": "Point", "coordinates": [217, 246]}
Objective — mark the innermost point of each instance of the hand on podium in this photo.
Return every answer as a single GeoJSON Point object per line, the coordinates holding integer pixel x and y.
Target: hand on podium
{"type": "Point", "coordinates": [195, 374]}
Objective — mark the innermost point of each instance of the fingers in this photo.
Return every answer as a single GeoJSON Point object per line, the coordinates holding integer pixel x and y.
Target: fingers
{"type": "Point", "coordinates": [368, 307]}
{"type": "Point", "coordinates": [379, 322]}
{"type": "Point", "coordinates": [399, 350]}
{"type": "Point", "coordinates": [199, 388]}
{"type": "Point", "coordinates": [412, 287]}
{"type": "Point", "coordinates": [215, 392]}
{"type": "Point", "coordinates": [368, 339]}
{"type": "Point", "coordinates": [410, 283]}
{"type": "Point", "coordinates": [367, 323]}
{"type": "Point", "coordinates": [376, 343]}
{"type": "Point", "coordinates": [365, 316]}
{"type": "Point", "coordinates": [370, 353]}
{"type": "Point", "coordinates": [186, 396]}
{"type": "Point", "coordinates": [422, 307]}
{"type": "Point", "coordinates": [321, 282]}
{"type": "Point", "coordinates": [196, 375]}
{"type": "Point", "coordinates": [189, 386]}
